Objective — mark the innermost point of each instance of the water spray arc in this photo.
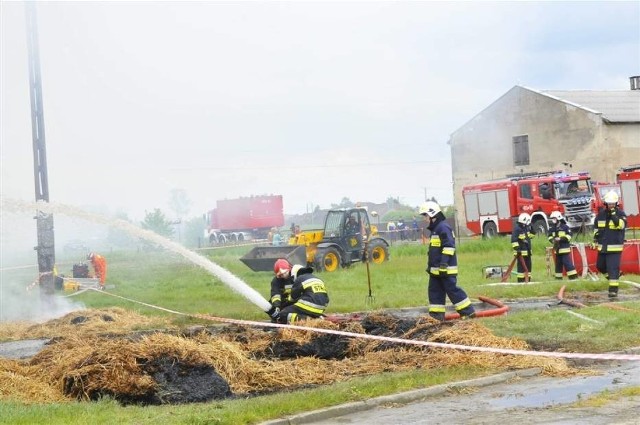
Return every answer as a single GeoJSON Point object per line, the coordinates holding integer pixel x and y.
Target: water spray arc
{"type": "Point", "coordinates": [229, 279]}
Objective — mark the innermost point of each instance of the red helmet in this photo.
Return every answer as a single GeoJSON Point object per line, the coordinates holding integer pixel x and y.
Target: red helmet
{"type": "Point", "coordinates": [282, 268]}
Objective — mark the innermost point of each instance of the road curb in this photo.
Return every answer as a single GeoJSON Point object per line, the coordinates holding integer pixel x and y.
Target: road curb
{"type": "Point", "coordinates": [400, 398]}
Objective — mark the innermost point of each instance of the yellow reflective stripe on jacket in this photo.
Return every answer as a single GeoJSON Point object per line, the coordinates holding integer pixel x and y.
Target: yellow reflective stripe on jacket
{"type": "Point", "coordinates": [310, 307]}
{"type": "Point", "coordinates": [435, 241]}
{"type": "Point", "coordinates": [316, 285]}
{"type": "Point", "coordinates": [448, 250]}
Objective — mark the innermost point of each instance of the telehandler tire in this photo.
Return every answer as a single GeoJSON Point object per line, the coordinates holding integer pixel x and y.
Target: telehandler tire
{"type": "Point", "coordinates": [327, 259]}
{"type": "Point", "coordinates": [378, 252]}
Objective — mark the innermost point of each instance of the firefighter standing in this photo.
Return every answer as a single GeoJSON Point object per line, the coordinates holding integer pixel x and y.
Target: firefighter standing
{"type": "Point", "coordinates": [442, 265]}
{"type": "Point", "coordinates": [560, 237]}
{"type": "Point", "coordinates": [308, 294]}
{"type": "Point", "coordinates": [281, 286]}
{"type": "Point", "coordinates": [521, 245]}
{"type": "Point", "coordinates": [99, 264]}
{"type": "Point", "coordinates": [610, 226]}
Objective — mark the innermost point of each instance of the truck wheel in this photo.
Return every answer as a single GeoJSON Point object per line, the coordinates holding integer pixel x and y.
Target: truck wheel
{"type": "Point", "coordinates": [378, 252]}
{"type": "Point", "coordinates": [539, 227]}
{"type": "Point", "coordinates": [327, 259]}
{"type": "Point", "coordinates": [489, 230]}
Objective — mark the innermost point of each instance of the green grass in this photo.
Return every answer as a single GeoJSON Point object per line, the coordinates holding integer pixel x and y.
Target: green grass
{"type": "Point", "coordinates": [170, 281]}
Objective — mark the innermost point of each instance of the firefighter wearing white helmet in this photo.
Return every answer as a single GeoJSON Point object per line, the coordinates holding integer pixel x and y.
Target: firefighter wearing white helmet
{"type": "Point", "coordinates": [610, 225]}
{"type": "Point", "coordinates": [308, 294]}
{"type": "Point", "coordinates": [560, 236]}
{"type": "Point", "coordinates": [442, 265]}
{"type": "Point", "coordinates": [521, 245]}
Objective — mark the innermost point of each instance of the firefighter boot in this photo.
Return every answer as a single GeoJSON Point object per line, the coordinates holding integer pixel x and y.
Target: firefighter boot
{"type": "Point", "coordinates": [613, 292]}
{"type": "Point", "coordinates": [437, 316]}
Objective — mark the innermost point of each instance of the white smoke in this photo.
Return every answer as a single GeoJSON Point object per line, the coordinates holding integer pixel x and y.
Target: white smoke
{"type": "Point", "coordinates": [228, 278]}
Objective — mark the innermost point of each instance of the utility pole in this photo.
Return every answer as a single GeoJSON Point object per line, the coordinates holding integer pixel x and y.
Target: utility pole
{"type": "Point", "coordinates": [46, 246]}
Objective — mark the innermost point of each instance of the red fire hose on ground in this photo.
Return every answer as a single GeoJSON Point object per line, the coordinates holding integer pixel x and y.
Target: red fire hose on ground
{"type": "Point", "coordinates": [562, 300]}
{"type": "Point", "coordinates": [497, 311]}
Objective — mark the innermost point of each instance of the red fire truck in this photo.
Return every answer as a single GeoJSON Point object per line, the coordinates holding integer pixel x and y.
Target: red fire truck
{"type": "Point", "coordinates": [242, 219]}
{"type": "Point", "coordinates": [492, 207]}
{"type": "Point", "coordinates": [629, 180]}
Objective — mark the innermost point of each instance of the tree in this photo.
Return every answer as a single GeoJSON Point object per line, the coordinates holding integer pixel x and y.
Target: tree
{"type": "Point", "coordinates": [157, 223]}
{"type": "Point", "coordinates": [344, 203]}
{"type": "Point", "coordinates": [118, 237]}
{"type": "Point", "coordinates": [179, 202]}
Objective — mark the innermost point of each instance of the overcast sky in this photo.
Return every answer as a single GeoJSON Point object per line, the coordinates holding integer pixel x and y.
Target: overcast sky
{"type": "Point", "coordinates": [312, 100]}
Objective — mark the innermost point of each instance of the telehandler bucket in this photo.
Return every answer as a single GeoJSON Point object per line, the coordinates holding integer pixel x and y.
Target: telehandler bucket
{"type": "Point", "coordinates": [262, 258]}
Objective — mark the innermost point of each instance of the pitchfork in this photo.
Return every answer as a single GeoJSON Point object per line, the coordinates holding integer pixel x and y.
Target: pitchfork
{"type": "Point", "coordinates": [370, 298]}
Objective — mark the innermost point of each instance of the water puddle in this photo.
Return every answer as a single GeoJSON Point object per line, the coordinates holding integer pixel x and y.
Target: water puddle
{"type": "Point", "coordinates": [549, 392]}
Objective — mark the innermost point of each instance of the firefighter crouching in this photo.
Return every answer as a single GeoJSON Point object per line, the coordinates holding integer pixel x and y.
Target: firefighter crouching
{"type": "Point", "coordinates": [308, 294]}
{"type": "Point", "coordinates": [281, 286]}
{"type": "Point", "coordinates": [610, 226]}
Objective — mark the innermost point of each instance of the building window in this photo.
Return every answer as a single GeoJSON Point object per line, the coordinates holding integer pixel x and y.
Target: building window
{"type": "Point", "coordinates": [521, 150]}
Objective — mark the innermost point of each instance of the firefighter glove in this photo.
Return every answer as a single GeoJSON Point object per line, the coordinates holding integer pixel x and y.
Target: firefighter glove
{"type": "Point", "coordinates": [516, 253]}
{"type": "Point", "coordinates": [442, 268]}
{"type": "Point", "coordinates": [275, 313]}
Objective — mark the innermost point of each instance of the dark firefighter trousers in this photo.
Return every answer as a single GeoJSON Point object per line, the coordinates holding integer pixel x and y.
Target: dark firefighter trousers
{"type": "Point", "coordinates": [292, 313]}
{"type": "Point", "coordinates": [608, 263]}
{"type": "Point", "coordinates": [447, 286]}
{"type": "Point", "coordinates": [564, 261]}
{"type": "Point", "coordinates": [520, 268]}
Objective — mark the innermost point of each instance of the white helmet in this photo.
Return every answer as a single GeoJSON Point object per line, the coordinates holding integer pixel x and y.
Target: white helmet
{"type": "Point", "coordinates": [524, 218]}
{"type": "Point", "coordinates": [557, 215]}
{"type": "Point", "coordinates": [429, 208]}
{"type": "Point", "coordinates": [297, 270]}
{"type": "Point", "coordinates": [611, 197]}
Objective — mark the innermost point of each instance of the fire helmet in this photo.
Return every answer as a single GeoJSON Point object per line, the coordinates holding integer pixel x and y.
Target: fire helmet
{"type": "Point", "coordinates": [429, 208]}
{"type": "Point", "coordinates": [298, 270]}
{"type": "Point", "coordinates": [282, 268]}
{"type": "Point", "coordinates": [611, 197]}
{"type": "Point", "coordinates": [90, 256]}
{"type": "Point", "coordinates": [524, 218]}
{"type": "Point", "coordinates": [557, 215]}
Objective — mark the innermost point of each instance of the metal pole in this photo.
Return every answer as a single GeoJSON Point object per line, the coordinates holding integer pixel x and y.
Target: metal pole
{"type": "Point", "coordinates": [46, 246]}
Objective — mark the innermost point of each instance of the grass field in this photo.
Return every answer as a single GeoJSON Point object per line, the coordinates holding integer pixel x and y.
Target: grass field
{"type": "Point", "coordinates": [169, 281]}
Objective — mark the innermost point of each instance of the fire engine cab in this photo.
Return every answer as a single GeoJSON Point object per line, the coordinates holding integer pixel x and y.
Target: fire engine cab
{"type": "Point", "coordinates": [492, 207]}
{"type": "Point", "coordinates": [629, 180]}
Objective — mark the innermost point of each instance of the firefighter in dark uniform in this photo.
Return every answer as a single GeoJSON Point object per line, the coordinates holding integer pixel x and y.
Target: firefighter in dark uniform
{"type": "Point", "coordinates": [610, 226]}
{"type": "Point", "coordinates": [442, 265]}
{"type": "Point", "coordinates": [281, 286]}
{"type": "Point", "coordinates": [560, 236]}
{"type": "Point", "coordinates": [308, 294]}
{"type": "Point", "coordinates": [521, 245]}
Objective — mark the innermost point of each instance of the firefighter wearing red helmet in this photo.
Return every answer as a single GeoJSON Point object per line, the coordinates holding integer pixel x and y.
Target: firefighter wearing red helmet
{"type": "Point", "coordinates": [610, 225]}
{"type": "Point", "coordinates": [280, 288]}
